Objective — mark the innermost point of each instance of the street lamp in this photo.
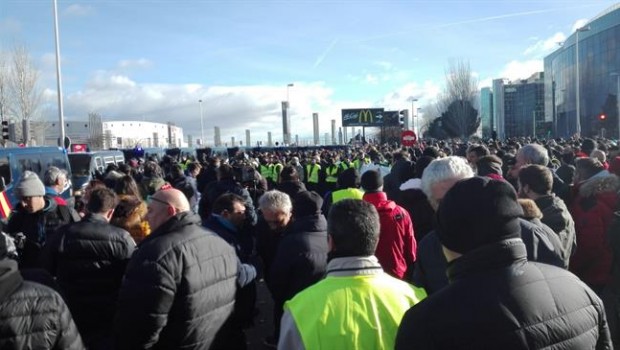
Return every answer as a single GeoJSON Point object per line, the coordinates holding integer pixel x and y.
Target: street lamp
{"type": "Point", "coordinates": [61, 116]}
{"type": "Point", "coordinates": [202, 127]}
{"type": "Point", "coordinates": [582, 29]}
{"type": "Point", "coordinates": [286, 123]}
{"type": "Point", "coordinates": [617, 75]}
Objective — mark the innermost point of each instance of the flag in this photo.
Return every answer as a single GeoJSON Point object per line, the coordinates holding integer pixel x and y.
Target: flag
{"type": "Point", "coordinates": [5, 205]}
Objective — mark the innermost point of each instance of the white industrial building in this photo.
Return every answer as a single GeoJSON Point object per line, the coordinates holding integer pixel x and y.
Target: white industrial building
{"type": "Point", "coordinates": [118, 134]}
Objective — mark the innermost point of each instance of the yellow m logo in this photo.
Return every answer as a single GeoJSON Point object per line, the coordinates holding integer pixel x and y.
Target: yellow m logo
{"type": "Point", "coordinates": [365, 116]}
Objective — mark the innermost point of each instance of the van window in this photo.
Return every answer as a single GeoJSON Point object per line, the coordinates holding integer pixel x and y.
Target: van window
{"type": "Point", "coordinates": [108, 160]}
{"type": "Point", "coordinates": [80, 164]}
{"type": "Point", "coordinates": [29, 162]}
{"type": "Point", "coordinates": [50, 159]}
{"type": "Point", "coordinates": [120, 160]}
{"type": "Point", "coordinates": [99, 164]}
{"type": "Point", "coordinates": [5, 170]}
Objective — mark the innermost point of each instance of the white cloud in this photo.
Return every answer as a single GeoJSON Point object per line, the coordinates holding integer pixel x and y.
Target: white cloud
{"type": "Point", "coordinates": [76, 10]}
{"type": "Point", "coordinates": [139, 63]}
{"type": "Point", "coordinates": [521, 69]}
{"type": "Point", "coordinates": [578, 24]}
{"type": "Point", "coordinates": [371, 79]}
{"type": "Point", "coordinates": [543, 47]}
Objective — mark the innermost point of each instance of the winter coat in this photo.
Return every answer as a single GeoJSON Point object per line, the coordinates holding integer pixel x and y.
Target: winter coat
{"type": "Point", "coordinates": [592, 209]}
{"type": "Point", "coordinates": [541, 245]}
{"type": "Point", "coordinates": [566, 172]}
{"type": "Point", "coordinates": [88, 259]}
{"type": "Point", "coordinates": [301, 258]}
{"type": "Point", "coordinates": [33, 316]}
{"type": "Point", "coordinates": [130, 215]}
{"type": "Point", "coordinates": [393, 180]}
{"type": "Point", "coordinates": [558, 218]}
{"type": "Point", "coordinates": [36, 227]}
{"type": "Point", "coordinates": [415, 202]}
{"type": "Point", "coordinates": [397, 246]}
{"type": "Point", "coordinates": [178, 289]}
{"type": "Point", "coordinates": [498, 300]}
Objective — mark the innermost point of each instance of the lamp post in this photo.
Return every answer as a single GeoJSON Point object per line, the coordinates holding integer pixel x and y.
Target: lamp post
{"type": "Point", "coordinates": [202, 128]}
{"type": "Point", "coordinates": [582, 29]}
{"type": "Point", "coordinates": [617, 75]}
{"type": "Point", "coordinates": [61, 117]}
{"type": "Point", "coordinates": [286, 122]}
{"type": "Point", "coordinates": [413, 100]}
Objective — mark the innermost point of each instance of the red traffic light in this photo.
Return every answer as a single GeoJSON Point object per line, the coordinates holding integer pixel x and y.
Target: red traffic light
{"type": "Point", "coordinates": [602, 117]}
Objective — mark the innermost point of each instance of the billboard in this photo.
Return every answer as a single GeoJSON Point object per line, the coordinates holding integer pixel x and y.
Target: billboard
{"type": "Point", "coordinates": [362, 117]}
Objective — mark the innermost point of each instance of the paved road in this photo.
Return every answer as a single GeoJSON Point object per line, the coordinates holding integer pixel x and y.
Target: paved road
{"type": "Point", "coordinates": [263, 325]}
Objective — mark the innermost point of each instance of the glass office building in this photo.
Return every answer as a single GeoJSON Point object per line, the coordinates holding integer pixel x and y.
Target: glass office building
{"type": "Point", "coordinates": [599, 80]}
{"type": "Point", "coordinates": [519, 107]}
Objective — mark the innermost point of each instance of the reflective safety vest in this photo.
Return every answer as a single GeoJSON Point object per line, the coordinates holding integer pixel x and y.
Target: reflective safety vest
{"type": "Point", "coordinates": [266, 171]}
{"type": "Point", "coordinates": [313, 173]}
{"type": "Point", "coordinates": [275, 171]}
{"type": "Point", "coordinates": [353, 193]}
{"type": "Point", "coordinates": [331, 174]}
{"type": "Point", "coordinates": [354, 312]}
{"type": "Point", "coordinates": [344, 166]}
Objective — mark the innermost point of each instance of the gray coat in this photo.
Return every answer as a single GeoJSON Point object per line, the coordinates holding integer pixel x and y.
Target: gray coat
{"type": "Point", "coordinates": [558, 218]}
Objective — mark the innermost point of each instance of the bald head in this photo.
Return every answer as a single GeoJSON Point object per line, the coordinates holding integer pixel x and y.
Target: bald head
{"type": "Point", "coordinates": [165, 204]}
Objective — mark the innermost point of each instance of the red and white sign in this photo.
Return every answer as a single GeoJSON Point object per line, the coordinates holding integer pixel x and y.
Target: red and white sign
{"type": "Point", "coordinates": [408, 138]}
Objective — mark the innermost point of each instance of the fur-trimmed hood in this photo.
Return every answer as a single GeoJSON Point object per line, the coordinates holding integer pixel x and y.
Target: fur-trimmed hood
{"type": "Point", "coordinates": [600, 183]}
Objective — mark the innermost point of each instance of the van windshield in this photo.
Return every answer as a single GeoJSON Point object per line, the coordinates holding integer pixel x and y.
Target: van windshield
{"type": "Point", "coordinates": [80, 164]}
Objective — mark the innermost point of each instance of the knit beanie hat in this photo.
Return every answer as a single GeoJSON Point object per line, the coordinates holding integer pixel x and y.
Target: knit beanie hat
{"type": "Point", "coordinates": [476, 212]}
{"type": "Point", "coordinates": [371, 180]}
{"type": "Point", "coordinates": [30, 186]}
{"type": "Point", "coordinates": [307, 203]}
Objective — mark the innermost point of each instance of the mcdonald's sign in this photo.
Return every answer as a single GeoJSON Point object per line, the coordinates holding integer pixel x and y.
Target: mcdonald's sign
{"type": "Point", "coordinates": [362, 117]}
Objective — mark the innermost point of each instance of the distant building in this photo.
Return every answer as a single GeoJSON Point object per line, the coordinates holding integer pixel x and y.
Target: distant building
{"type": "Point", "coordinates": [519, 107]}
{"type": "Point", "coordinates": [118, 134]}
{"type": "Point", "coordinates": [599, 66]}
{"type": "Point", "coordinates": [486, 112]}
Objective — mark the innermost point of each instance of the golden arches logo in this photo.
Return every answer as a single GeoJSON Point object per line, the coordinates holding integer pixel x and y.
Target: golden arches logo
{"type": "Point", "coordinates": [365, 116]}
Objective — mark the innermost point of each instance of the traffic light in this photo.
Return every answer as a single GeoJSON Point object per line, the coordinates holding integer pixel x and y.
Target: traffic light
{"type": "Point", "coordinates": [5, 129]}
{"type": "Point", "coordinates": [403, 119]}
{"type": "Point", "coordinates": [602, 117]}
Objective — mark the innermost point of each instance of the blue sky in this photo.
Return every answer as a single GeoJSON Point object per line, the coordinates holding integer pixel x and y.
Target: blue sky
{"type": "Point", "coordinates": [153, 60]}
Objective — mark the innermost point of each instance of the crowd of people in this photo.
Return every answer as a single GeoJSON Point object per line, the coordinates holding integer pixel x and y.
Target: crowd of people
{"type": "Point", "coordinates": [445, 245]}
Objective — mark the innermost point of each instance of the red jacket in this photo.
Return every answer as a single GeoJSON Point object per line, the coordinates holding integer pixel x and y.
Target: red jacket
{"type": "Point", "coordinates": [593, 210]}
{"type": "Point", "coordinates": [397, 245]}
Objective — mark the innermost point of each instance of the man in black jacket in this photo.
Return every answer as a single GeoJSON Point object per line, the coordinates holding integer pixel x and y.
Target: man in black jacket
{"type": "Point", "coordinates": [179, 286]}
{"type": "Point", "coordinates": [33, 316]}
{"type": "Point", "coordinates": [89, 259]}
{"type": "Point", "coordinates": [496, 299]}
{"type": "Point", "coordinates": [301, 256]}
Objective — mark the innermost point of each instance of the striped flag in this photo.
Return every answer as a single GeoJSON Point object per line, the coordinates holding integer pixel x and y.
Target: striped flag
{"type": "Point", "coordinates": [5, 205]}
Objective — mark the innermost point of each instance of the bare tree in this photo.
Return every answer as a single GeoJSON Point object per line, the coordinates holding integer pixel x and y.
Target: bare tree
{"type": "Point", "coordinates": [25, 91]}
{"type": "Point", "coordinates": [4, 86]}
{"type": "Point", "coordinates": [457, 106]}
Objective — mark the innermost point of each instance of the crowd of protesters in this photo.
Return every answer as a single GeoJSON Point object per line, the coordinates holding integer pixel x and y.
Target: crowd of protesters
{"type": "Point", "coordinates": [445, 245]}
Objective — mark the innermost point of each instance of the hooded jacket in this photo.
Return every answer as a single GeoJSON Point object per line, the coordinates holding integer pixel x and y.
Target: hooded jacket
{"type": "Point", "coordinates": [496, 299]}
{"type": "Point", "coordinates": [178, 289]}
{"type": "Point", "coordinates": [33, 316]}
{"type": "Point", "coordinates": [592, 209]}
{"type": "Point", "coordinates": [558, 218]}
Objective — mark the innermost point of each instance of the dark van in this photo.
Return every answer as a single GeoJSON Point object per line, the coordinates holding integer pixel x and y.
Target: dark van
{"type": "Point", "coordinates": [86, 165]}
{"type": "Point", "coordinates": [14, 161]}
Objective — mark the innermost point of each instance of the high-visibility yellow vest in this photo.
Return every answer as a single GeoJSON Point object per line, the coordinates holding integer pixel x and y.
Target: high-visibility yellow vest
{"type": "Point", "coordinates": [347, 193]}
{"type": "Point", "coordinates": [313, 173]}
{"type": "Point", "coordinates": [275, 172]}
{"type": "Point", "coordinates": [331, 174]}
{"type": "Point", "coordinates": [266, 171]}
{"type": "Point", "coordinates": [354, 312]}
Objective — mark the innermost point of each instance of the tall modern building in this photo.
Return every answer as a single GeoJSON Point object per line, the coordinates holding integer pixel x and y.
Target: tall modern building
{"type": "Point", "coordinates": [486, 112]}
{"type": "Point", "coordinates": [519, 107]}
{"type": "Point", "coordinates": [598, 67]}
{"type": "Point", "coordinates": [315, 128]}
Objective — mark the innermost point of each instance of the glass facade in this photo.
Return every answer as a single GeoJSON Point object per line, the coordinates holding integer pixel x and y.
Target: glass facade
{"type": "Point", "coordinates": [599, 84]}
{"type": "Point", "coordinates": [486, 112]}
{"type": "Point", "coordinates": [519, 107]}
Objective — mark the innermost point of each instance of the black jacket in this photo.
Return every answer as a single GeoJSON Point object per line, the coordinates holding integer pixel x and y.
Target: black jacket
{"type": "Point", "coordinates": [558, 218]}
{"type": "Point", "coordinates": [291, 188]}
{"type": "Point", "coordinates": [178, 290]}
{"type": "Point", "coordinates": [421, 212]}
{"type": "Point", "coordinates": [541, 244]}
{"type": "Point", "coordinates": [33, 316]}
{"type": "Point", "coordinates": [498, 300]}
{"type": "Point", "coordinates": [218, 188]}
{"type": "Point", "coordinates": [36, 227]}
{"type": "Point", "coordinates": [88, 259]}
{"type": "Point", "coordinates": [301, 258]}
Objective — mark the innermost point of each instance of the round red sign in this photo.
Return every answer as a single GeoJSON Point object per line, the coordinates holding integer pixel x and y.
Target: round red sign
{"type": "Point", "coordinates": [408, 138]}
